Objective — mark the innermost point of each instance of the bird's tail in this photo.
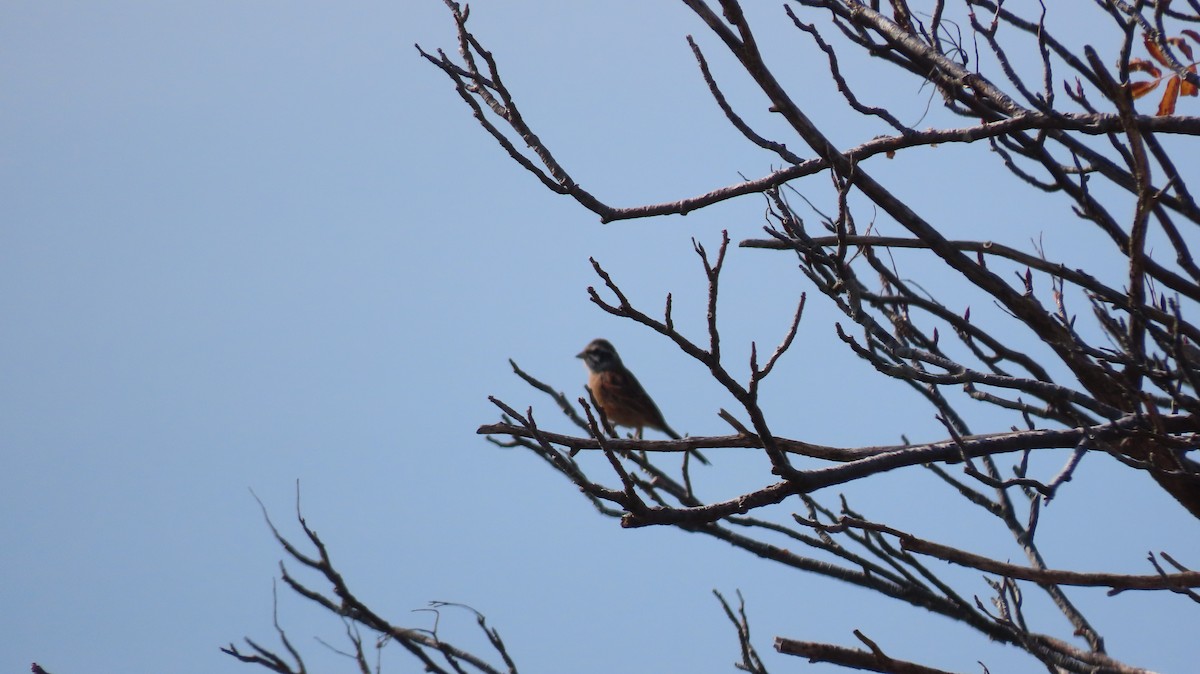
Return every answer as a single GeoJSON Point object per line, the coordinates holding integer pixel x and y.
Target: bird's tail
{"type": "Point", "coordinates": [695, 453]}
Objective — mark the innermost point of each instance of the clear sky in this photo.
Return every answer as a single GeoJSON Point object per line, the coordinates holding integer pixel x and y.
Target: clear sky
{"type": "Point", "coordinates": [248, 243]}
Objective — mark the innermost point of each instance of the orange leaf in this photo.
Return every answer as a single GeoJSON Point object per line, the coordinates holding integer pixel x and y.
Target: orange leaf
{"type": "Point", "coordinates": [1167, 105]}
{"type": "Point", "coordinates": [1139, 89]}
{"type": "Point", "coordinates": [1182, 45]}
{"type": "Point", "coordinates": [1186, 88]}
{"type": "Point", "coordinates": [1155, 52]}
{"type": "Point", "coordinates": [1192, 34]}
{"type": "Point", "coordinates": [1144, 66]}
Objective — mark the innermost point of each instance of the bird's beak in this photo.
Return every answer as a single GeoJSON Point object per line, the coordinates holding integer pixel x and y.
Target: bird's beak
{"type": "Point", "coordinates": [580, 354]}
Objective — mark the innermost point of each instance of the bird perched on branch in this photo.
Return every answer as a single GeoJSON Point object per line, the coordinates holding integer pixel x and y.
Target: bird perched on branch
{"type": "Point", "coordinates": [620, 395]}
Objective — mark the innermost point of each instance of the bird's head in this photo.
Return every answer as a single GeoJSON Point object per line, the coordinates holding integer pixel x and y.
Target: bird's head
{"type": "Point", "coordinates": [599, 355]}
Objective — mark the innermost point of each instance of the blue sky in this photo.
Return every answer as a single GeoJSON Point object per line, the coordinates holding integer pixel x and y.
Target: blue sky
{"type": "Point", "coordinates": [245, 244]}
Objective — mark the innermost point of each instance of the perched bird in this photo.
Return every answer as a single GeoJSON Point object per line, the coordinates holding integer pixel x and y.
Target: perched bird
{"type": "Point", "coordinates": [619, 393]}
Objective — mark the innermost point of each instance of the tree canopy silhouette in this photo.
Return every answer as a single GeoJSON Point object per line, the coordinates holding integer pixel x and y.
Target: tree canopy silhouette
{"type": "Point", "coordinates": [1095, 359]}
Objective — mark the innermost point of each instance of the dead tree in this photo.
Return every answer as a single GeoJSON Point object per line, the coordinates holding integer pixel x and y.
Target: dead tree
{"type": "Point", "coordinates": [1118, 380]}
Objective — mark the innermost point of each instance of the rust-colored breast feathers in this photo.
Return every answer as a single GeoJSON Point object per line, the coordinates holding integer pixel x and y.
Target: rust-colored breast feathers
{"type": "Point", "coordinates": [624, 400]}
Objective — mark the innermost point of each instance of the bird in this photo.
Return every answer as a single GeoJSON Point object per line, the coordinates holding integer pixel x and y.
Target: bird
{"type": "Point", "coordinates": [620, 395]}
